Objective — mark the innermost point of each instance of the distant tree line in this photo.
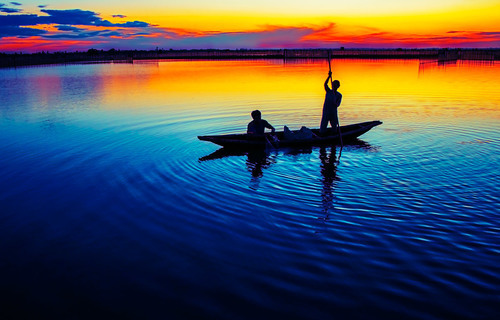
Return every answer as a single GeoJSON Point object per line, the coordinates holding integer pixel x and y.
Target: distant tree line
{"type": "Point", "coordinates": [23, 59]}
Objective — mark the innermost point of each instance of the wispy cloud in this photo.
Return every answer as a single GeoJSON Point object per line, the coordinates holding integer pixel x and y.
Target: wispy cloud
{"type": "Point", "coordinates": [9, 10]}
{"type": "Point", "coordinates": [68, 28]}
{"type": "Point", "coordinates": [385, 39]}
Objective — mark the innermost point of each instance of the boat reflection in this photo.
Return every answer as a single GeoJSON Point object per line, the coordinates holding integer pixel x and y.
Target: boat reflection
{"type": "Point", "coordinates": [259, 160]}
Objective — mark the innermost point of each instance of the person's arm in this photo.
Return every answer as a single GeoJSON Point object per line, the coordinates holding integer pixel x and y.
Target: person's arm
{"type": "Point", "coordinates": [327, 88]}
{"type": "Point", "coordinates": [269, 126]}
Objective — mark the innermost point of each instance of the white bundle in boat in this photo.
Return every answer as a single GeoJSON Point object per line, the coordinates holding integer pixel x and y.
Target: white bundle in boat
{"type": "Point", "coordinates": [303, 134]}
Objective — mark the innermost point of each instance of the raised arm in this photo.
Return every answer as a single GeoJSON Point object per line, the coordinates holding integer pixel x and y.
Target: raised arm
{"type": "Point", "coordinates": [327, 88]}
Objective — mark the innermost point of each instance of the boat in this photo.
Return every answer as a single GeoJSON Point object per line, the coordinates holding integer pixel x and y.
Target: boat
{"type": "Point", "coordinates": [278, 140]}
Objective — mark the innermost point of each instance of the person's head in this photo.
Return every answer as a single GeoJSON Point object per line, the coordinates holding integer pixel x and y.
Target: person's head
{"type": "Point", "coordinates": [336, 84]}
{"type": "Point", "coordinates": [256, 115]}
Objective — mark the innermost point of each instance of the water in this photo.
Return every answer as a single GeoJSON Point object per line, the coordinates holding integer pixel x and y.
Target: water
{"type": "Point", "coordinates": [111, 206]}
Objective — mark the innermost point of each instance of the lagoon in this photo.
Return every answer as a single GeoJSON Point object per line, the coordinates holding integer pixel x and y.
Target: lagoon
{"type": "Point", "coordinates": [109, 205]}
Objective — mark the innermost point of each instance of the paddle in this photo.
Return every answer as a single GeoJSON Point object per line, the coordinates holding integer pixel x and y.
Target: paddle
{"type": "Point", "coordinates": [271, 141]}
{"type": "Point", "coordinates": [331, 82]}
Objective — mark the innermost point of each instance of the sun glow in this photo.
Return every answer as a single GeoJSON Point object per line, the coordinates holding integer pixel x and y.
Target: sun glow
{"type": "Point", "coordinates": [269, 82]}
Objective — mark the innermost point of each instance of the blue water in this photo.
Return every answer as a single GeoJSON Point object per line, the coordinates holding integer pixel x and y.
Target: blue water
{"type": "Point", "coordinates": [111, 207]}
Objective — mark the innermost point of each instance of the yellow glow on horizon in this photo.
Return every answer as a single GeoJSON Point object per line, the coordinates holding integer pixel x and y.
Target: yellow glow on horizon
{"type": "Point", "coordinates": [280, 87]}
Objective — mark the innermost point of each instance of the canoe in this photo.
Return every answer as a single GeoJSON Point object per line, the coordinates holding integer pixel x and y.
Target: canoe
{"type": "Point", "coordinates": [246, 141]}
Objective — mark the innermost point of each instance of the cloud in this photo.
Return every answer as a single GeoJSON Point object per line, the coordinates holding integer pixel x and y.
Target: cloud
{"type": "Point", "coordinates": [68, 28]}
{"type": "Point", "coordinates": [19, 20]}
{"type": "Point", "coordinates": [119, 16]}
{"type": "Point", "coordinates": [489, 33]}
{"type": "Point", "coordinates": [66, 17]}
{"type": "Point", "coordinates": [16, 4]}
{"type": "Point", "coordinates": [80, 35]}
{"type": "Point", "coordinates": [371, 37]}
{"type": "Point", "coordinates": [8, 10]}
{"type": "Point", "coordinates": [83, 17]}
{"type": "Point", "coordinates": [42, 6]}
{"type": "Point", "coordinates": [13, 31]}
{"type": "Point", "coordinates": [66, 21]}
{"type": "Point", "coordinates": [132, 24]}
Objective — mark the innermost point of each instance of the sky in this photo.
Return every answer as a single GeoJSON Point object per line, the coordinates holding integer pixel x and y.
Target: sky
{"type": "Point", "coordinates": [55, 25]}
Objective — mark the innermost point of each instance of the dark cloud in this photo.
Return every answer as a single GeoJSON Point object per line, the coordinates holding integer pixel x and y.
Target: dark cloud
{"type": "Point", "coordinates": [85, 34]}
{"type": "Point", "coordinates": [133, 24]}
{"type": "Point", "coordinates": [8, 10]}
{"type": "Point", "coordinates": [73, 17]}
{"type": "Point", "coordinates": [42, 6]}
{"type": "Point", "coordinates": [16, 4]}
{"type": "Point", "coordinates": [119, 16]}
{"type": "Point", "coordinates": [68, 28]}
{"type": "Point", "coordinates": [12, 31]}
{"type": "Point", "coordinates": [66, 19]}
{"type": "Point", "coordinates": [111, 34]}
{"type": "Point", "coordinates": [19, 20]}
{"type": "Point", "coordinates": [71, 32]}
{"type": "Point", "coordinates": [489, 33]}
{"type": "Point", "coordinates": [84, 17]}
{"type": "Point", "coordinates": [81, 35]}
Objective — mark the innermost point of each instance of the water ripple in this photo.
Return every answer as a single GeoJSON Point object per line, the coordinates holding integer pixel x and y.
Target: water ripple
{"type": "Point", "coordinates": [403, 224]}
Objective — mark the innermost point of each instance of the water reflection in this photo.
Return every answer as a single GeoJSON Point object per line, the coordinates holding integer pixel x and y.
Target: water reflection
{"type": "Point", "coordinates": [329, 177]}
{"type": "Point", "coordinates": [257, 161]}
{"type": "Point", "coordinates": [100, 163]}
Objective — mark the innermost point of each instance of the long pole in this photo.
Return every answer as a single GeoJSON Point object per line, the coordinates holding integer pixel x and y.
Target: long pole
{"type": "Point", "coordinates": [331, 82]}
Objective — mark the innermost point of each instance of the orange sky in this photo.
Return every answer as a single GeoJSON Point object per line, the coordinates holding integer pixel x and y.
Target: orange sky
{"type": "Point", "coordinates": [200, 24]}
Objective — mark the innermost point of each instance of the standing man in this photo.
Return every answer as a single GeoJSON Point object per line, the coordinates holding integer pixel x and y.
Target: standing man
{"type": "Point", "coordinates": [333, 98]}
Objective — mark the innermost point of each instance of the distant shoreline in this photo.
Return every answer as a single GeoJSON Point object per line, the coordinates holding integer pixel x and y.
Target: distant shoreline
{"type": "Point", "coordinates": [93, 55]}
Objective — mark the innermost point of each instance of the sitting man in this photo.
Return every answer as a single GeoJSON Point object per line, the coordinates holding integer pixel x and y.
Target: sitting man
{"type": "Point", "coordinates": [258, 125]}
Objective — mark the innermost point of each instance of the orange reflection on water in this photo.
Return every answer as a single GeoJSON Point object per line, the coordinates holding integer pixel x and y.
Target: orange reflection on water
{"type": "Point", "coordinates": [296, 87]}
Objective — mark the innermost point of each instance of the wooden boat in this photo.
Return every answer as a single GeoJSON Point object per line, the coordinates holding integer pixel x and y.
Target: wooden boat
{"type": "Point", "coordinates": [246, 141]}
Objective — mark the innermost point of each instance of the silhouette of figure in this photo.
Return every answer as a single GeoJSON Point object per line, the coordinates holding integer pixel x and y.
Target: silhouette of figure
{"type": "Point", "coordinates": [329, 173]}
{"type": "Point", "coordinates": [333, 98]}
{"type": "Point", "coordinates": [257, 161]}
{"type": "Point", "coordinates": [258, 125]}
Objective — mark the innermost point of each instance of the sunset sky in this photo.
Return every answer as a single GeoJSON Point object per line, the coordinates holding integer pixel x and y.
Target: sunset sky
{"type": "Point", "coordinates": [56, 25]}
